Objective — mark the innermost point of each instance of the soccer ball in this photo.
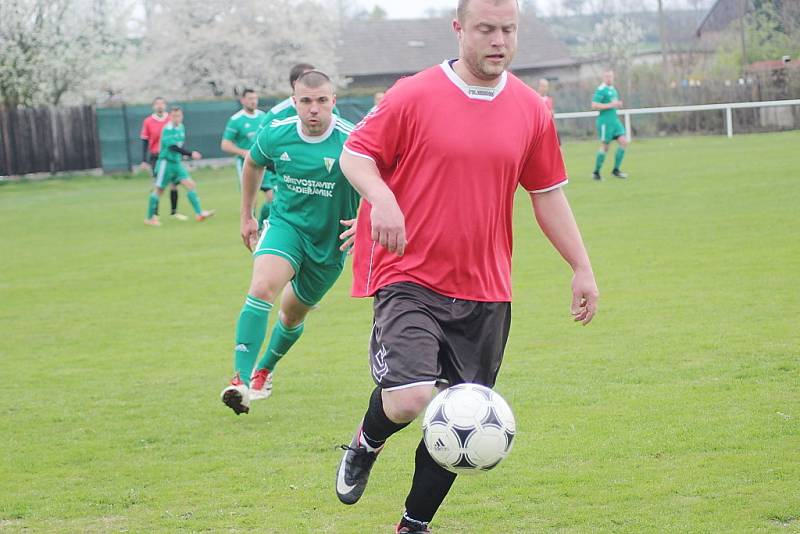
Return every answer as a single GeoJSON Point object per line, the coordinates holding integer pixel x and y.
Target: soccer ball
{"type": "Point", "coordinates": [468, 428]}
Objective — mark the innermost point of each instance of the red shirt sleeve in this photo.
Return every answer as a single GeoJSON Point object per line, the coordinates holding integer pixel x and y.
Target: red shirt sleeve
{"type": "Point", "coordinates": [544, 169]}
{"type": "Point", "coordinates": [145, 130]}
{"type": "Point", "coordinates": [380, 136]}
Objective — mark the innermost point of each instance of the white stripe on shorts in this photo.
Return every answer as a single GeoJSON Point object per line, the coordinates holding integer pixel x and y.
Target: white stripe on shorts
{"type": "Point", "coordinates": [413, 384]}
{"type": "Point", "coordinates": [162, 170]}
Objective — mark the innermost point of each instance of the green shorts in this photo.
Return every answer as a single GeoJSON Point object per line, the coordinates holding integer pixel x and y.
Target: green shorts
{"type": "Point", "coordinates": [170, 172]}
{"type": "Point", "coordinates": [311, 280]}
{"type": "Point", "coordinates": [609, 130]}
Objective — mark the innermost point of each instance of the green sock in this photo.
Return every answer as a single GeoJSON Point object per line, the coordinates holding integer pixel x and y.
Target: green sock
{"type": "Point", "coordinates": [152, 205]}
{"type": "Point", "coordinates": [264, 215]}
{"type": "Point", "coordinates": [195, 201]}
{"type": "Point", "coordinates": [601, 157]}
{"type": "Point", "coordinates": [618, 157]}
{"type": "Point", "coordinates": [251, 328]}
{"type": "Point", "coordinates": [280, 342]}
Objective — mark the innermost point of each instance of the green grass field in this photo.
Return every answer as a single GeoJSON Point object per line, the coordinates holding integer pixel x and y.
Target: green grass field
{"type": "Point", "coordinates": [676, 410]}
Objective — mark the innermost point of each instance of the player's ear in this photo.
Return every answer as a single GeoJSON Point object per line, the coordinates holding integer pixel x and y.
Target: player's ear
{"type": "Point", "coordinates": [333, 99]}
{"type": "Point", "coordinates": [457, 27]}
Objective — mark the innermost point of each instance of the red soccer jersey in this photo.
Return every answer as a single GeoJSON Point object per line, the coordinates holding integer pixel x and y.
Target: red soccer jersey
{"type": "Point", "coordinates": [151, 131]}
{"type": "Point", "coordinates": [453, 155]}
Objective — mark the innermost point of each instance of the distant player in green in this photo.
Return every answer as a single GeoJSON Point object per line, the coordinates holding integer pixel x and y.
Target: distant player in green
{"type": "Point", "coordinates": [314, 209]}
{"type": "Point", "coordinates": [240, 133]}
{"type": "Point", "coordinates": [169, 169]}
{"type": "Point", "coordinates": [609, 128]}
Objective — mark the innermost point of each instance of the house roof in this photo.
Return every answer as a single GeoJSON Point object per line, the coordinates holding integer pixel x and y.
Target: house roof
{"type": "Point", "coordinates": [721, 14]}
{"type": "Point", "coordinates": [376, 47]}
{"type": "Point", "coordinates": [771, 65]}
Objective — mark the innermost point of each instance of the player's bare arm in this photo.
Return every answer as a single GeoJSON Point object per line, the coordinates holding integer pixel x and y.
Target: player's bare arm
{"type": "Point", "coordinates": [388, 222]}
{"type": "Point", "coordinates": [610, 105]}
{"type": "Point", "coordinates": [252, 175]}
{"type": "Point", "coordinates": [557, 222]}
{"type": "Point", "coordinates": [228, 147]}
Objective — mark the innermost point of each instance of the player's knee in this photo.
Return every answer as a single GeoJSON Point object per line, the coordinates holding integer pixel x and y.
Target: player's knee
{"type": "Point", "coordinates": [404, 405]}
{"type": "Point", "coordinates": [263, 291]}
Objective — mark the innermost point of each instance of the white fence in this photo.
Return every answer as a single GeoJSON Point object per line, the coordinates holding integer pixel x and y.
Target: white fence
{"type": "Point", "coordinates": [726, 108]}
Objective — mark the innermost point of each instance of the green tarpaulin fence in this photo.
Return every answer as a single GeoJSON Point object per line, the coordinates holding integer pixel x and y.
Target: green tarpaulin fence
{"type": "Point", "coordinates": [119, 127]}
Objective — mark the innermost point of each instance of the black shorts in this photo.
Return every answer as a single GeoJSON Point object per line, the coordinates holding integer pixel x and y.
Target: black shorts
{"type": "Point", "coordinates": [422, 337]}
{"type": "Point", "coordinates": [152, 159]}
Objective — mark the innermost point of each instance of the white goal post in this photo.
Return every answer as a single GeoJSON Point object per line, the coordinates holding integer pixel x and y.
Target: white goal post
{"type": "Point", "coordinates": [726, 108]}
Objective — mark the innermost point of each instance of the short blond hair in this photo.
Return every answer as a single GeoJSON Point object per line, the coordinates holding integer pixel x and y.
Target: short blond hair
{"type": "Point", "coordinates": [461, 11]}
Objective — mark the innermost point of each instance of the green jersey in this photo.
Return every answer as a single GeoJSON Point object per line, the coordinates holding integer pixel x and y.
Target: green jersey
{"type": "Point", "coordinates": [171, 135]}
{"type": "Point", "coordinates": [605, 94]}
{"type": "Point", "coordinates": [242, 128]}
{"type": "Point", "coordinates": [314, 194]}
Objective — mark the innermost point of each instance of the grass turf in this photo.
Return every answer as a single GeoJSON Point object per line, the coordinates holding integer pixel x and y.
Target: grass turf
{"type": "Point", "coordinates": [676, 411]}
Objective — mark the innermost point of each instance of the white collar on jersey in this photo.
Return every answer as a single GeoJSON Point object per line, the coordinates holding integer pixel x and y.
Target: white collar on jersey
{"type": "Point", "coordinates": [317, 138]}
{"type": "Point", "coordinates": [475, 92]}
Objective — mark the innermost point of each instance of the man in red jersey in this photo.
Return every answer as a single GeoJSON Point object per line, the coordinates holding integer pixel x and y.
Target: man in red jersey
{"type": "Point", "coordinates": [438, 163]}
{"type": "Point", "coordinates": [151, 146]}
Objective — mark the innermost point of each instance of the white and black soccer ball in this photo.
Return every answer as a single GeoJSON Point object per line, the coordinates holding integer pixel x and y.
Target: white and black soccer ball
{"type": "Point", "coordinates": [468, 428]}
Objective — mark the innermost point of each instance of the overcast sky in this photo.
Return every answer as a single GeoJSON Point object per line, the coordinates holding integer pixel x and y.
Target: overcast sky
{"type": "Point", "coordinates": [396, 9]}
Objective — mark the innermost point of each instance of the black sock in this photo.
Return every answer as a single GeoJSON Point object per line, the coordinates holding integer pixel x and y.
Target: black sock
{"type": "Point", "coordinates": [377, 427]}
{"type": "Point", "coordinates": [173, 198]}
{"type": "Point", "coordinates": [429, 488]}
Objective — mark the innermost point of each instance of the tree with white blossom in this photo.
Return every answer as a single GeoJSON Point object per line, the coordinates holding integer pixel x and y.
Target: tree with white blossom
{"type": "Point", "coordinates": [215, 48]}
{"type": "Point", "coordinates": [54, 51]}
{"type": "Point", "coordinates": [615, 41]}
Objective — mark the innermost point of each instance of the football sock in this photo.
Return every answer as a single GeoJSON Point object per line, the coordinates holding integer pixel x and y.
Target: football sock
{"type": "Point", "coordinates": [618, 157]}
{"type": "Point", "coordinates": [250, 331]}
{"type": "Point", "coordinates": [152, 206]}
{"type": "Point", "coordinates": [377, 428]}
{"type": "Point", "coordinates": [429, 487]}
{"type": "Point", "coordinates": [601, 157]}
{"type": "Point", "coordinates": [173, 199]}
{"type": "Point", "coordinates": [264, 214]}
{"type": "Point", "coordinates": [280, 342]}
{"type": "Point", "coordinates": [195, 201]}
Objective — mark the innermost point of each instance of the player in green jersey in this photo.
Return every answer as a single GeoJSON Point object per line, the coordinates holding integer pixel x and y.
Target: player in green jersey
{"type": "Point", "coordinates": [241, 129]}
{"type": "Point", "coordinates": [609, 128]}
{"type": "Point", "coordinates": [299, 251]}
{"type": "Point", "coordinates": [169, 169]}
{"type": "Point", "coordinates": [240, 133]}
{"type": "Point", "coordinates": [283, 110]}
